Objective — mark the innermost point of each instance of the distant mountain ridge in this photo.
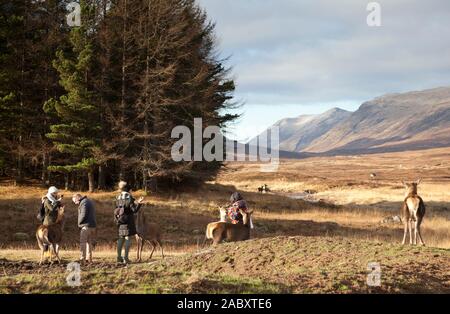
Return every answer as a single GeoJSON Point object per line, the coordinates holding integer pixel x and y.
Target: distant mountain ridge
{"type": "Point", "coordinates": [393, 122]}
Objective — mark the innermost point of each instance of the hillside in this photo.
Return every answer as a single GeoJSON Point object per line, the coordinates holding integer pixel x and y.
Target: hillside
{"type": "Point", "coordinates": [393, 122]}
{"type": "Point", "coordinates": [296, 134]}
{"type": "Point", "coordinates": [269, 265]}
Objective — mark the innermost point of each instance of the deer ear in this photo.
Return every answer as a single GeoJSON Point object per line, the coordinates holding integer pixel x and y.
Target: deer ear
{"type": "Point", "coordinates": [418, 181]}
{"type": "Point", "coordinates": [404, 183]}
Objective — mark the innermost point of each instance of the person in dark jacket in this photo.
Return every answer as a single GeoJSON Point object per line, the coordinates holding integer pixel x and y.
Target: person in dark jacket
{"type": "Point", "coordinates": [237, 203]}
{"type": "Point", "coordinates": [52, 203]}
{"type": "Point", "coordinates": [87, 224]}
{"type": "Point", "coordinates": [126, 207]}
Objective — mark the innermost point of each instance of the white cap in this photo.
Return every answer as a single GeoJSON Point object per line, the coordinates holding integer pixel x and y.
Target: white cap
{"type": "Point", "coordinates": [53, 190]}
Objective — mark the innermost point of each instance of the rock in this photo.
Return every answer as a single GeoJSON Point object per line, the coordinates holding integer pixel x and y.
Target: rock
{"type": "Point", "coordinates": [21, 236]}
{"type": "Point", "coordinates": [392, 219]}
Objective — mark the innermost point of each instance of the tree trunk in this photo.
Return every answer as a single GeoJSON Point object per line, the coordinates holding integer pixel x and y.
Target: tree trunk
{"type": "Point", "coordinates": [152, 185]}
{"type": "Point", "coordinates": [91, 180]}
{"type": "Point", "coordinates": [144, 181]}
{"type": "Point", "coordinates": [19, 174]}
{"type": "Point", "coordinates": [66, 181]}
{"type": "Point", "coordinates": [101, 178]}
{"type": "Point", "coordinates": [44, 175]}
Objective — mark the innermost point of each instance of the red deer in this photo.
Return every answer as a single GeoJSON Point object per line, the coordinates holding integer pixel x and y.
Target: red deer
{"type": "Point", "coordinates": [51, 236]}
{"type": "Point", "coordinates": [146, 232]}
{"type": "Point", "coordinates": [412, 211]}
{"type": "Point", "coordinates": [263, 189]}
{"type": "Point", "coordinates": [220, 231]}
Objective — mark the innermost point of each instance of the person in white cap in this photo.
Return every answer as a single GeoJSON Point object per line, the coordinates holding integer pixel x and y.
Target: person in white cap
{"type": "Point", "coordinates": [51, 203]}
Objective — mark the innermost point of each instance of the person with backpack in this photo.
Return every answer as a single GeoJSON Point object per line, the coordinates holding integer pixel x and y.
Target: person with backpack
{"type": "Point", "coordinates": [126, 207]}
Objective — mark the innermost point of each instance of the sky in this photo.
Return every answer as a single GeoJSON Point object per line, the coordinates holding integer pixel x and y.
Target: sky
{"type": "Point", "coordinates": [294, 57]}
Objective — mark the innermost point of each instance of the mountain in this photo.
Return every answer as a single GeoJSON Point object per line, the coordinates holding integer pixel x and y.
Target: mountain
{"type": "Point", "coordinates": [393, 122]}
{"type": "Point", "coordinates": [296, 134]}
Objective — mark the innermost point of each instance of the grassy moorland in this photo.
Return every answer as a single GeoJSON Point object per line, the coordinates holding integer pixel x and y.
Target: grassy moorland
{"type": "Point", "coordinates": [316, 242]}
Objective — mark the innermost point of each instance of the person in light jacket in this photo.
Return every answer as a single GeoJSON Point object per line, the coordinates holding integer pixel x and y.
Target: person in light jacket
{"type": "Point", "coordinates": [87, 224]}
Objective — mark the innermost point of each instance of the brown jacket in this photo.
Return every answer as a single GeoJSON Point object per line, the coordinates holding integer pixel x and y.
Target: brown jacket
{"type": "Point", "coordinates": [51, 212]}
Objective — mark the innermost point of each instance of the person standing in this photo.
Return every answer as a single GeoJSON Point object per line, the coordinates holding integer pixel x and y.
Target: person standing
{"type": "Point", "coordinates": [51, 202]}
{"type": "Point", "coordinates": [126, 207]}
{"type": "Point", "coordinates": [87, 224]}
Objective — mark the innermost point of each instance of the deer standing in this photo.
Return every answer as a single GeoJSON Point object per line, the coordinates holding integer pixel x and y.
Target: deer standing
{"type": "Point", "coordinates": [51, 237]}
{"type": "Point", "coordinates": [146, 232]}
{"type": "Point", "coordinates": [412, 211]}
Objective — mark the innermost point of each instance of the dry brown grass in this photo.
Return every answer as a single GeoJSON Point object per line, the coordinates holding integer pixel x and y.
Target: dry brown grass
{"type": "Point", "coordinates": [345, 181]}
{"type": "Point", "coordinates": [352, 200]}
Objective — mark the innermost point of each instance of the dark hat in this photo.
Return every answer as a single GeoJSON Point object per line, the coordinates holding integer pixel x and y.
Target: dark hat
{"type": "Point", "coordinates": [236, 196]}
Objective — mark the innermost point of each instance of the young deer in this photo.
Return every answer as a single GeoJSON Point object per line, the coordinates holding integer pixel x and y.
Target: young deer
{"type": "Point", "coordinates": [412, 211]}
{"type": "Point", "coordinates": [219, 231]}
{"type": "Point", "coordinates": [51, 237]}
{"type": "Point", "coordinates": [146, 232]}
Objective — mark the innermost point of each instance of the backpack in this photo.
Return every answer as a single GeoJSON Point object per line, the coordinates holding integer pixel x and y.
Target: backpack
{"type": "Point", "coordinates": [120, 215]}
{"type": "Point", "coordinates": [41, 213]}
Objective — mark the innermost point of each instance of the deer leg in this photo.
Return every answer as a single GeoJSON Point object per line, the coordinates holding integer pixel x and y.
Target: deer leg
{"type": "Point", "coordinates": [162, 251]}
{"type": "Point", "coordinates": [418, 223]}
{"type": "Point", "coordinates": [138, 257]}
{"type": "Point", "coordinates": [410, 232]}
{"type": "Point", "coordinates": [51, 252]}
{"type": "Point", "coordinates": [153, 249]}
{"type": "Point", "coordinates": [415, 232]}
{"type": "Point", "coordinates": [42, 256]}
{"type": "Point", "coordinates": [141, 248]}
{"type": "Point", "coordinates": [57, 253]}
{"type": "Point", "coordinates": [405, 231]}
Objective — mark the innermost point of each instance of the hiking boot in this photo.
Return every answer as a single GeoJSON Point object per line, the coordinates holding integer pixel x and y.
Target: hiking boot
{"type": "Point", "coordinates": [120, 260]}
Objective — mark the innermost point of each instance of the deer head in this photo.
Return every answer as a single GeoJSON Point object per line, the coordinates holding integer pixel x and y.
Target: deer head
{"type": "Point", "coordinates": [411, 187]}
{"type": "Point", "coordinates": [223, 214]}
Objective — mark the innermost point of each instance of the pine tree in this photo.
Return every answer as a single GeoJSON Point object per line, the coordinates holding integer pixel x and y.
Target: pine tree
{"type": "Point", "coordinates": [107, 100]}
{"type": "Point", "coordinates": [29, 32]}
{"type": "Point", "coordinates": [76, 133]}
{"type": "Point", "coordinates": [174, 77]}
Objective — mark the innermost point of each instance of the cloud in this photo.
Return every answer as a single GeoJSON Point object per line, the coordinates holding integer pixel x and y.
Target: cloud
{"type": "Point", "coordinates": [291, 51]}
